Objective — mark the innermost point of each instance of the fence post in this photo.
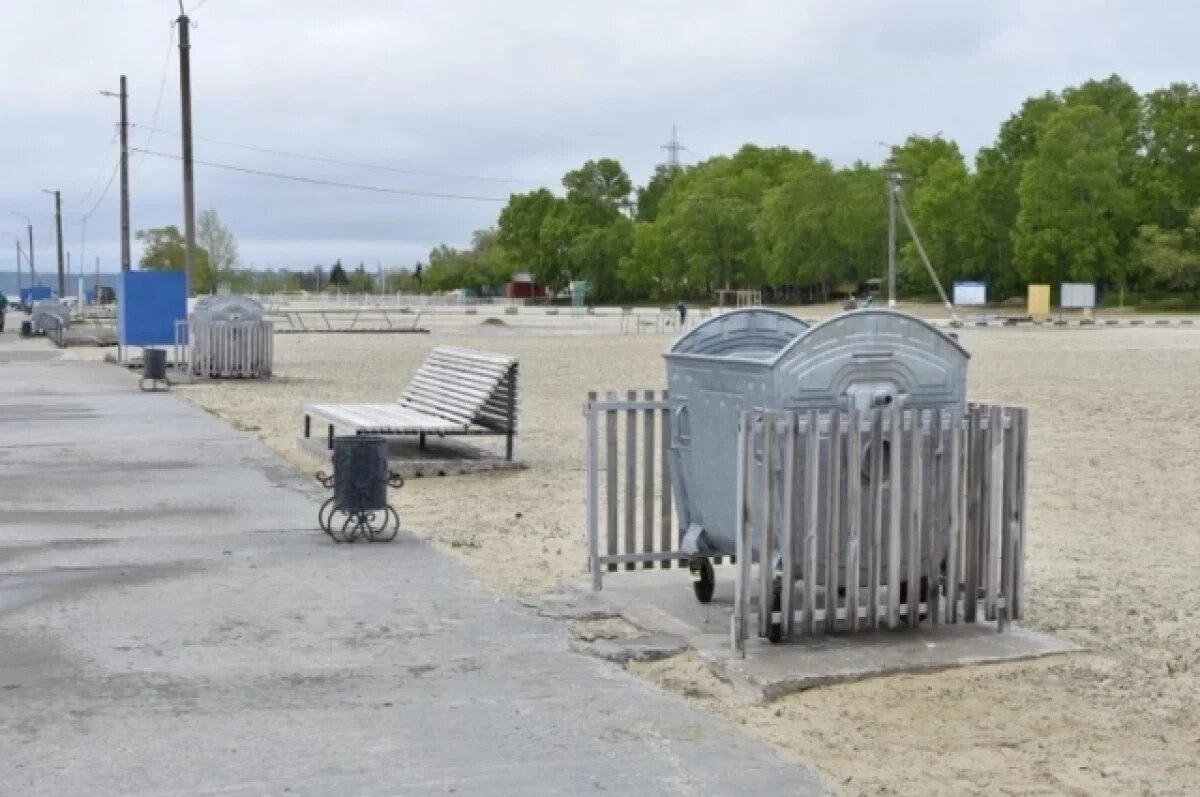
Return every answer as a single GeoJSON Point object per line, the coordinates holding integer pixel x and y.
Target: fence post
{"type": "Point", "coordinates": [787, 542]}
{"type": "Point", "coordinates": [593, 498]}
{"type": "Point", "coordinates": [875, 533]}
{"type": "Point", "coordinates": [916, 452]}
{"type": "Point", "coordinates": [648, 477]}
{"type": "Point", "coordinates": [854, 516]}
{"type": "Point", "coordinates": [665, 477]}
{"type": "Point", "coordinates": [741, 587]}
{"type": "Point", "coordinates": [765, 528]}
{"type": "Point", "coordinates": [610, 474]}
{"type": "Point", "coordinates": [631, 479]}
{"type": "Point", "coordinates": [812, 475]}
{"type": "Point", "coordinates": [895, 515]}
{"type": "Point", "coordinates": [832, 530]}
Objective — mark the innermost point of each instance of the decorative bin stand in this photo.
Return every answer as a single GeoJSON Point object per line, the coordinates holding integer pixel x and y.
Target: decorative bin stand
{"type": "Point", "coordinates": [359, 508]}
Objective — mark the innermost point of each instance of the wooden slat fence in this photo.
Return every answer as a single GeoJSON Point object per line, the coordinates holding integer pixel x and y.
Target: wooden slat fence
{"type": "Point", "coordinates": [631, 513]}
{"type": "Point", "coordinates": [888, 518]}
{"type": "Point", "coordinates": [225, 349]}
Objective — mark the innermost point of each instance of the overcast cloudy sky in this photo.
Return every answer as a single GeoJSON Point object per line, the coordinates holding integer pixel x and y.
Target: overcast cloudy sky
{"type": "Point", "coordinates": [518, 91]}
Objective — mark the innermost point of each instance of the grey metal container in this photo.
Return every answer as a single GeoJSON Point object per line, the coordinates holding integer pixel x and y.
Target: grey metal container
{"type": "Point", "coordinates": [49, 315]}
{"type": "Point", "coordinates": [227, 308]}
{"type": "Point", "coordinates": [862, 359]}
{"type": "Point", "coordinates": [715, 372]}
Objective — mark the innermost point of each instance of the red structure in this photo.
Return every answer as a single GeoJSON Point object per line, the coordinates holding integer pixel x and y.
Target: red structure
{"type": "Point", "coordinates": [522, 286]}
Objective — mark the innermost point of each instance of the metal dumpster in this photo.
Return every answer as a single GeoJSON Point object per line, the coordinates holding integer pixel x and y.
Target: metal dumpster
{"type": "Point", "coordinates": [715, 372]}
{"type": "Point", "coordinates": [771, 361]}
{"type": "Point", "coordinates": [229, 338]}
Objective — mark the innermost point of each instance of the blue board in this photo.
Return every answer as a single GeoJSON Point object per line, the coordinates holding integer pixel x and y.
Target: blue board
{"type": "Point", "coordinates": [151, 303]}
{"type": "Point", "coordinates": [34, 294]}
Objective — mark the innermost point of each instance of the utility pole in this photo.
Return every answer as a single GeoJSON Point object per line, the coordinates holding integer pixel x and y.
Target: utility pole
{"type": "Point", "coordinates": [19, 285]}
{"type": "Point", "coordinates": [185, 96]}
{"type": "Point", "coordinates": [29, 254]}
{"type": "Point", "coordinates": [62, 278]}
{"type": "Point", "coordinates": [893, 187]}
{"type": "Point", "coordinates": [124, 97]}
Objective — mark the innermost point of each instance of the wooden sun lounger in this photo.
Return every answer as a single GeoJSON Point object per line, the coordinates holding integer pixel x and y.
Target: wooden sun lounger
{"type": "Point", "coordinates": [454, 392]}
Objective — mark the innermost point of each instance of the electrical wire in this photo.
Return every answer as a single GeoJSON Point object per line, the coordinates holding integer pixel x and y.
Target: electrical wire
{"type": "Point", "coordinates": [355, 164]}
{"type": "Point", "coordinates": [111, 177]}
{"type": "Point", "coordinates": [330, 183]}
{"type": "Point", "coordinates": [162, 84]}
{"type": "Point", "coordinates": [99, 172]}
{"type": "Point", "coordinates": [197, 7]}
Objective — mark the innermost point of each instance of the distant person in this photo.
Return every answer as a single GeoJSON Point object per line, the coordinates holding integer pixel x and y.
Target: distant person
{"type": "Point", "coordinates": [869, 302]}
{"type": "Point", "coordinates": [681, 308]}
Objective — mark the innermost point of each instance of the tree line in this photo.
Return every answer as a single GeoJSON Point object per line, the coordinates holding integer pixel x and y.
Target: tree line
{"type": "Point", "coordinates": [1095, 183]}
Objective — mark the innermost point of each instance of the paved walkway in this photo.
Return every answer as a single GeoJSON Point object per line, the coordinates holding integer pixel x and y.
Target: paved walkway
{"type": "Point", "coordinates": [172, 623]}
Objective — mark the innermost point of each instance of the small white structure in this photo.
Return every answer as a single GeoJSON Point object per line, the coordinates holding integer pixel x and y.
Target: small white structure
{"type": "Point", "coordinates": [225, 338]}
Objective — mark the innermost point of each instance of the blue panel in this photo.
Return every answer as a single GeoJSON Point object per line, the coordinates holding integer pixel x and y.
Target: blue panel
{"type": "Point", "coordinates": [151, 302]}
{"type": "Point", "coordinates": [34, 294]}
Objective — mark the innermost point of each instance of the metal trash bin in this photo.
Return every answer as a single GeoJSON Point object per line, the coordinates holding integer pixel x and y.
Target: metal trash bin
{"type": "Point", "coordinates": [360, 473]}
{"type": "Point", "coordinates": [26, 329]}
{"type": "Point", "coordinates": [862, 359]}
{"type": "Point", "coordinates": [359, 507]}
{"type": "Point", "coordinates": [154, 370]}
{"type": "Point", "coordinates": [228, 338]}
{"type": "Point", "coordinates": [716, 371]}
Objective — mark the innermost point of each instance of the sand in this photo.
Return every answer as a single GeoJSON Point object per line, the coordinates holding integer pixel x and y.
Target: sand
{"type": "Point", "coordinates": [1112, 560]}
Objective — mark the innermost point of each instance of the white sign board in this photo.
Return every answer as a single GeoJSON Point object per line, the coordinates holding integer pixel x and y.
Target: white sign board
{"type": "Point", "coordinates": [1077, 295]}
{"type": "Point", "coordinates": [970, 294]}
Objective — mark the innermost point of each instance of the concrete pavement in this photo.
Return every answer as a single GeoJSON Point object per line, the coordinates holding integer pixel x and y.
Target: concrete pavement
{"type": "Point", "coordinates": [171, 622]}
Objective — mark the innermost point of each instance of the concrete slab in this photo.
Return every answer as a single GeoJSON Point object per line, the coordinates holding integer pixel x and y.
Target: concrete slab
{"type": "Point", "coordinates": [662, 602]}
{"type": "Point", "coordinates": [172, 622]}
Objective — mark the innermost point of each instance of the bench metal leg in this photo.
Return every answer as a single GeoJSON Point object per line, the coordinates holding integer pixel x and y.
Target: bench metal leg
{"type": "Point", "coordinates": [422, 441]}
{"type": "Point", "coordinates": [508, 448]}
{"type": "Point", "coordinates": [331, 437]}
{"type": "Point", "coordinates": [308, 426]}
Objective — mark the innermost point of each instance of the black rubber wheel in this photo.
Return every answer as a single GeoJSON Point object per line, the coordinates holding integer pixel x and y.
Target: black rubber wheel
{"type": "Point", "coordinates": [705, 581]}
{"type": "Point", "coordinates": [776, 635]}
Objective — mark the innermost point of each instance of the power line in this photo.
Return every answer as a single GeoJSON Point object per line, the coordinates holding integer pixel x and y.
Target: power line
{"type": "Point", "coordinates": [330, 183]}
{"type": "Point", "coordinates": [355, 164]}
{"type": "Point", "coordinates": [116, 166]}
{"type": "Point", "coordinates": [162, 85]}
{"type": "Point", "coordinates": [99, 173]}
{"type": "Point", "coordinates": [197, 7]}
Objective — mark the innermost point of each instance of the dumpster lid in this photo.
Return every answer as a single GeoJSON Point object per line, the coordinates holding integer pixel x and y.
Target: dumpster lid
{"type": "Point", "coordinates": [750, 333]}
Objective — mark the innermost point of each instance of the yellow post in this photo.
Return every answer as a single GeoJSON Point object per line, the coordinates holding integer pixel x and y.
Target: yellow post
{"type": "Point", "coordinates": [1039, 300]}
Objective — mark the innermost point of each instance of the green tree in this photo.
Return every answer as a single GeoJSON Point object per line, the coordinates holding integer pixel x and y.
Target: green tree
{"type": "Point", "coordinates": [218, 241]}
{"type": "Point", "coordinates": [164, 249]}
{"type": "Point", "coordinates": [1169, 181]}
{"type": "Point", "coordinates": [998, 175]}
{"type": "Point", "coordinates": [1173, 256]}
{"type": "Point", "coordinates": [650, 195]}
{"type": "Point", "coordinates": [1073, 204]}
{"type": "Point", "coordinates": [337, 276]}
{"type": "Point", "coordinates": [947, 215]}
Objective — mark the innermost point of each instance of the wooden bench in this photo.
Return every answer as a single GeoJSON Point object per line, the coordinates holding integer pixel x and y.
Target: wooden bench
{"type": "Point", "coordinates": [454, 392]}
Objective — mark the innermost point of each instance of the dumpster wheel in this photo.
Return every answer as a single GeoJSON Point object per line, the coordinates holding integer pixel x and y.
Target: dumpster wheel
{"type": "Point", "coordinates": [704, 578]}
{"type": "Point", "coordinates": [776, 635]}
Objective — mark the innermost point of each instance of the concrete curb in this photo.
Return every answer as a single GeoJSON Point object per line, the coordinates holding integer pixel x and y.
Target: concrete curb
{"type": "Point", "coordinates": [1072, 323]}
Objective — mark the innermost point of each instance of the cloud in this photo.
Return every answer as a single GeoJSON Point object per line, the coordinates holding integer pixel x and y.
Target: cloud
{"type": "Point", "coordinates": [521, 90]}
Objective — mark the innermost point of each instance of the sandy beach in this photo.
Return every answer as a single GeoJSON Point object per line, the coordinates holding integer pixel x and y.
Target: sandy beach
{"type": "Point", "coordinates": [1113, 548]}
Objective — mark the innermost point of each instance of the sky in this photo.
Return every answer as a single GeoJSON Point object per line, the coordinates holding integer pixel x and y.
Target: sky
{"type": "Point", "coordinates": [482, 99]}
